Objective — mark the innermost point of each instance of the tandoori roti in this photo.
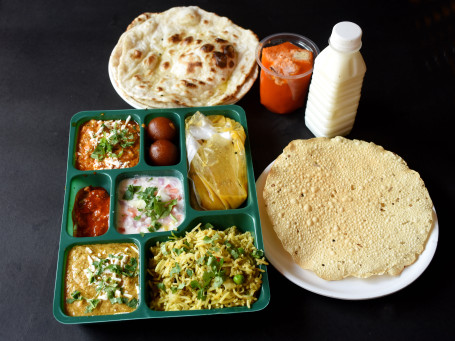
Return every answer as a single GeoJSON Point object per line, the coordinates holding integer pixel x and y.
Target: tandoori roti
{"type": "Point", "coordinates": [183, 57]}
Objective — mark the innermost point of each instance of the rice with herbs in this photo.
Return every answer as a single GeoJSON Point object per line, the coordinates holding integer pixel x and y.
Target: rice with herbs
{"type": "Point", "coordinates": [205, 269]}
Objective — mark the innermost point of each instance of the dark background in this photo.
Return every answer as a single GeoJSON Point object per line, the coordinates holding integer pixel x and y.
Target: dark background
{"type": "Point", "coordinates": [53, 64]}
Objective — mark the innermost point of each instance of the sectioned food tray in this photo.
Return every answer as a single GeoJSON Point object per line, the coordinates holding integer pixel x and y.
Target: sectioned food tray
{"type": "Point", "coordinates": [245, 218]}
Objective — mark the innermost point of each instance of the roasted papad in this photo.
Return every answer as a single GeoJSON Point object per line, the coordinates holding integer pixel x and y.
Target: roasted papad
{"type": "Point", "coordinates": [347, 208]}
{"type": "Point", "coordinates": [183, 57]}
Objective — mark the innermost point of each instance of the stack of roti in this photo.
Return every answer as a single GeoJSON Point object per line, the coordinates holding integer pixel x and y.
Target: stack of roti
{"type": "Point", "coordinates": [347, 208]}
{"type": "Point", "coordinates": [183, 57]}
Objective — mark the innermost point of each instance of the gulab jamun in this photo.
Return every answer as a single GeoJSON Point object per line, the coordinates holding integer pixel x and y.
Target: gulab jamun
{"type": "Point", "coordinates": [163, 153]}
{"type": "Point", "coordinates": [161, 128]}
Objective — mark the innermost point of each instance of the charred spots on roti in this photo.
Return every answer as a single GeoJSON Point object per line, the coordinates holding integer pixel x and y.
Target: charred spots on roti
{"type": "Point", "coordinates": [188, 64]}
{"type": "Point", "coordinates": [205, 21]}
{"type": "Point", "coordinates": [220, 59]}
{"type": "Point", "coordinates": [136, 54]}
{"type": "Point", "coordinates": [229, 51]}
{"type": "Point", "coordinates": [150, 60]}
{"type": "Point", "coordinates": [207, 48]}
{"type": "Point", "coordinates": [220, 40]}
{"type": "Point", "coordinates": [150, 63]}
{"type": "Point", "coordinates": [188, 84]}
{"type": "Point", "coordinates": [225, 56]}
{"type": "Point", "coordinates": [166, 65]}
{"type": "Point", "coordinates": [174, 39]}
{"type": "Point", "coordinates": [188, 40]}
{"type": "Point", "coordinates": [193, 65]}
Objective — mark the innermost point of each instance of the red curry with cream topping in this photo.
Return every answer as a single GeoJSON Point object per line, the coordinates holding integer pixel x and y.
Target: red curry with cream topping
{"type": "Point", "coordinates": [108, 144]}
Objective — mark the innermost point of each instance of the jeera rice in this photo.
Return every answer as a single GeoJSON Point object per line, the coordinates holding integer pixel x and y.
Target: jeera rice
{"type": "Point", "coordinates": [205, 269]}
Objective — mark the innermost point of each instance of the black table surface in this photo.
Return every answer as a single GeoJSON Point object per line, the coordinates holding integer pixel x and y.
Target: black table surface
{"type": "Point", "coordinates": [53, 64]}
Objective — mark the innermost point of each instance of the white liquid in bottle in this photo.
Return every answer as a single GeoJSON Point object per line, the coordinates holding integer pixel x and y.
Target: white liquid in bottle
{"type": "Point", "coordinates": [337, 80]}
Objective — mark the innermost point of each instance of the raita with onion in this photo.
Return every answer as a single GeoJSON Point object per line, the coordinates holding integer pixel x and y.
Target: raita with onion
{"type": "Point", "coordinates": [149, 204]}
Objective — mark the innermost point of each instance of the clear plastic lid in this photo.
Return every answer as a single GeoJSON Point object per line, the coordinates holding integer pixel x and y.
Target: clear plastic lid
{"type": "Point", "coordinates": [346, 37]}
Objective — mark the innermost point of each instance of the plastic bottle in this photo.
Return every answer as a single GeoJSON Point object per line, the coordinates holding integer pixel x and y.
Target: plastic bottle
{"type": "Point", "coordinates": [337, 80]}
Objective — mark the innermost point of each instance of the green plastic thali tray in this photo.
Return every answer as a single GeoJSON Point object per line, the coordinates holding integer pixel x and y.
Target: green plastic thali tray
{"type": "Point", "coordinates": [246, 217]}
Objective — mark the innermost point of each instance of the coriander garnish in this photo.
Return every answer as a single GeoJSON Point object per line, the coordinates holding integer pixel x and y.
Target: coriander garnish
{"type": "Point", "coordinates": [92, 303]}
{"type": "Point", "coordinates": [155, 208]}
{"type": "Point", "coordinates": [216, 273]}
{"type": "Point", "coordinates": [121, 139]}
{"type": "Point", "coordinates": [76, 296]}
{"type": "Point", "coordinates": [129, 193]}
{"type": "Point", "coordinates": [105, 274]}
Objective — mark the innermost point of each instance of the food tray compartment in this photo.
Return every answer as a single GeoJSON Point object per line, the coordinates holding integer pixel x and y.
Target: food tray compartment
{"type": "Point", "coordinates": [77, 183]}
{"type": "Point", "coordinates": [243, 222]}
{"type": "Point", "coordinates": [180, 138]}
{"type": "Point", "coordinates": [246, 217]}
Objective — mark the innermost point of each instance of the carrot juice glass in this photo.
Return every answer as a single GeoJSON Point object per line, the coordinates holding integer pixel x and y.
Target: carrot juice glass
{"type": "Point", "coordinates": [286, 61]}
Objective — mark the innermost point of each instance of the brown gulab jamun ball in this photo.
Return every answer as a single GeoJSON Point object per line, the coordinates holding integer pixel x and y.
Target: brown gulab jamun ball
{"type": "Point", "coordinates": [163, 153]}
{"type": "Point", "coordinates": [161, 128]}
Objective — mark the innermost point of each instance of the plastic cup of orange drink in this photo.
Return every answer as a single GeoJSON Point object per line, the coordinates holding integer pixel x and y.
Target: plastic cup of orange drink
{"type": "Point", "coordinates": [286, 61]}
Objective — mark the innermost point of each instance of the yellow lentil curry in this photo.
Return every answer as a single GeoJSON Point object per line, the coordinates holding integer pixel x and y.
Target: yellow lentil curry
{"type": "Point", "coordinates": [102, 279]}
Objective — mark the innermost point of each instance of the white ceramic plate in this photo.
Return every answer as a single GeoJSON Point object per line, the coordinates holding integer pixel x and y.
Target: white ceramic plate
{"type": "Point", "coordinates": [348, 288]}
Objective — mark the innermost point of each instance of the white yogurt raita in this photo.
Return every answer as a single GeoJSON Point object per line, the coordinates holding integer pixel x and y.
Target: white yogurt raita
{"type": "Point", "coordinates": [149, 204]}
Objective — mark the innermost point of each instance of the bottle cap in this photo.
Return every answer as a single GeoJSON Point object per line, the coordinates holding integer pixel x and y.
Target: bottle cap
{"type": "Point", "coordinates": [346, 37]}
